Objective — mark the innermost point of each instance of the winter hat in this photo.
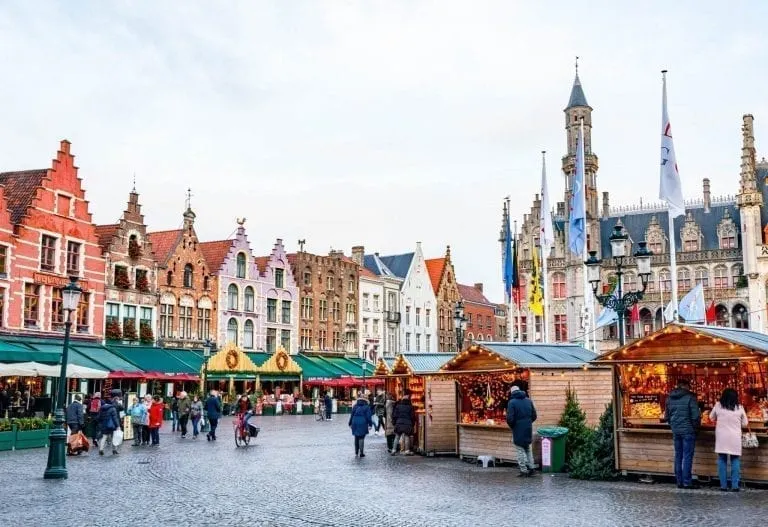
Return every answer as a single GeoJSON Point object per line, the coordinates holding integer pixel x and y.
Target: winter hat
{"type": "Point", "coordinates": [514, 389]}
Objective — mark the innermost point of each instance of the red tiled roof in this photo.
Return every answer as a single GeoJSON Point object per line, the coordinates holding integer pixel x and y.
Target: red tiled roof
{"type": "Point", "coordinates": [20, 190]}
{"type": "Point", "coordinates": [163, 242]}
{"type": "Point", "coordinates": [472, 294]}
{"type": "Point", "coordinates": [261, 263]}
{"type": "Point", "coordinates": [366, 273]}
{"type": "Point", "coordinates": [292, 259]}
{"type": "Point", "coordinates": [105, 233]}
{"type": "Point", "coordinates": [435, 267]}
{"type": "Point", "coordinates": [215, 253]}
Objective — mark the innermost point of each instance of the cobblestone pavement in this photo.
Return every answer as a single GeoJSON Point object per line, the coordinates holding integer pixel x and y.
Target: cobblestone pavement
{"type": "Point", "coordinates": [300, 472]}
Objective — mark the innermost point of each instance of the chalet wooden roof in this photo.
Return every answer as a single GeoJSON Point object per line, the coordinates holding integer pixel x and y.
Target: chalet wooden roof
{"type": "Point", "coordinates": [691, 343]}
{"type": "Point", "coordinates": [499, 356]}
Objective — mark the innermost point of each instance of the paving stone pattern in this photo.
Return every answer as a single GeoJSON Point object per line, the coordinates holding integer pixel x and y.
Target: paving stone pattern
{"type": "Point", "coordinates": [300, 472]}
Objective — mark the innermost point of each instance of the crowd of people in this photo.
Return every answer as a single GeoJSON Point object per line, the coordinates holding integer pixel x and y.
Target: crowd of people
{"type": "Point", "coordinates": [397, 418]}
{"type": "Point", "coordinates": [16, 403]}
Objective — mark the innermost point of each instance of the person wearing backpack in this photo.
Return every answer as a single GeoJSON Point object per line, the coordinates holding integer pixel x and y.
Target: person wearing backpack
{"type": "Point", "coordinates": [138, 414]}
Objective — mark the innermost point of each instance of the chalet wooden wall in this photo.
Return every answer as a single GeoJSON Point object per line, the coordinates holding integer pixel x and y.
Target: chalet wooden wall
{"type": "Point", "coordinates": [440, 403]}
{"type": "Point", "coordinates": [548, 386]}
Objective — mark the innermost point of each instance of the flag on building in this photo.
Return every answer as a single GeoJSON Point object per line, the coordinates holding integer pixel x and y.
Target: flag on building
{"type": "Point", "coordinates": [577, 219]}
{"type": "Point", "coordinates": [692, 307]}
{"type": "Point", "coordinates": [669, 312]}
{"type": "Point", "coordinates": [711, 313]}
{"type": "Point", "coordinates": [509, 256]}
{"type": "Point", "coordinates": [670, 188]}
{"type": "Point", "coordinates": [607, 316]}
{"type": "Point", "coordinates": [547, 234]}
{"type": "Point", "coordinates": [535, 295]}
{"type": "Point", "coordinates": [634, 315]}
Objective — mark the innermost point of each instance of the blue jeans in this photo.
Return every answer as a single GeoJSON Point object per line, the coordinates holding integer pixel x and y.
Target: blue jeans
{"type": "Point", "coordinates": [722, 470]}
{"type": "Point", "coordinates": [684, 447]}
{"type": "Point", "coordinates": [175, 417]}
{"type": "Point", "coordinates": [195, 422]}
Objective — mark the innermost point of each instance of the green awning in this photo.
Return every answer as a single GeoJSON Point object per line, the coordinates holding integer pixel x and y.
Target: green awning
{"type": "Point", "coordinates": [48, 351]}
{"type": "Point", "coordinates": [344, 365]}
{"type": "Point", "coordinates": [150, 358]}
{"type": "Point", "coordinates": [192, 357]}
{"type": "Point", "coordinates": [258, 357]}
{"type": "Point", "coordinates": [274, 377]}
{"type": "Point", "coordinates": [314, 368]}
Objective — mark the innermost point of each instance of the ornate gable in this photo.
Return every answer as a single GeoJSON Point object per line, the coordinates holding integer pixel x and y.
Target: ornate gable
{"type": "Point", "coordinates": [690, 234]}
{"type": "Point", "coordinates": [654, 235]}
{"type": "Point", "coordinates": [727, 234]}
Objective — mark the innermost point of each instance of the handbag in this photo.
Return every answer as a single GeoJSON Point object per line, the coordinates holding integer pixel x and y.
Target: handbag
{"type": "Point", "coordinates": [749, 440]}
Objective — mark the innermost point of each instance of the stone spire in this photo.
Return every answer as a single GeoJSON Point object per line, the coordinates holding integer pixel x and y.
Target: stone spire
{"type": "Point", "coordinates": [189, 216]}
{"type": "Point", "coordinates": [577, 93]}
{"type": "Point", "coordinates": [748, 192]}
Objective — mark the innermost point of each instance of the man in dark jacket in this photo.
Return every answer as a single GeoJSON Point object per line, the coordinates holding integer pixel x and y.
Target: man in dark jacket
{"type": "Point", "coordinates": [404, 417]}
{"type": "Point", "coordinates": [520, 417]}
{"type": "Point", "coordinates": [683, 415]}
{"type": "Point", "coordinates": [328, 402]}
{"type": "Point", "coordinates": [109, 421]}
{"type": "Point", "coordinates": [75, 415]}
{"type": "Point", "coordinates": [213, 412]}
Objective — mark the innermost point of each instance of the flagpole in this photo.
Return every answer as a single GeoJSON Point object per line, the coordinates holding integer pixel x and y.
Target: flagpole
{"type": "Point", "coordinates": [517, 297]}
{"type": "Point", "coordinates": [543, 215]}
{"type": "Point", "coordinates": [585, 252]}
{"type": "Point", "coordinates": [670, 218]}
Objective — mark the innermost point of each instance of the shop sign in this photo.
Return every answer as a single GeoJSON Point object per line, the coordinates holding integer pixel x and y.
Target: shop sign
{"type": "Point", "coordinates": [546, 452]}
{"type": "Point", "coordinates": [56, 281]}
{"type": "Point", "coordinates": [636, 398]}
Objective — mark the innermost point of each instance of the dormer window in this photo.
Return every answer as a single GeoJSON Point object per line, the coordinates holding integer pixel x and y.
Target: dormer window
{"type": "Point", "coordinates": [188, 275]}
{"type": "Point", "coordinates": [240, 265]}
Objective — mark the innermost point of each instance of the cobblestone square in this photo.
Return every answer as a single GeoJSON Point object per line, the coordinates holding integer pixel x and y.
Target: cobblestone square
{"type": "Point", "coordinates": [300, 472]}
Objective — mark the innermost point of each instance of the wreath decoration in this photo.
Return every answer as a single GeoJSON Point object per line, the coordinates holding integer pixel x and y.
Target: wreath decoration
{"type": "Point", "coordinates": [281, 361]}
{"type": "Point", "coordinates": [232, 359]}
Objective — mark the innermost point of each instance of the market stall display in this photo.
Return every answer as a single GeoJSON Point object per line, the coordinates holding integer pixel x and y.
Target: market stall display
{"type": "Point", "coordinates": [711, 359]}
{"type": "Point", "coordinates": [484, 374]}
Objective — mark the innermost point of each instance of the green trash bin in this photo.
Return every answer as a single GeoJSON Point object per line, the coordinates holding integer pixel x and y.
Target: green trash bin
{"type": "Point", "coordinates": [552, 448]}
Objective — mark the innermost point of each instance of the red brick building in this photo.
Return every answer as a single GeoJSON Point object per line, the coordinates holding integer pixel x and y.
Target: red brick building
{"type": "Point", "coordinates": [480, 314]}
{"type": "Point", "coordinates": [186, 287]}
{"type": "Point", "coordinates": [46, 236]}
{"type": "Point", "coordinates": [443, 279]}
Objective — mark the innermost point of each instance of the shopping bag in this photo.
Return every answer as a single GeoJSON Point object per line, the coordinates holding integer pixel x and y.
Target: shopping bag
{"type": "Point", "coordinates": [117, 438]}
{"type": "Point", "coordinates": [749, 440]}
{"type": "Point", "coordinates": [375, 420]}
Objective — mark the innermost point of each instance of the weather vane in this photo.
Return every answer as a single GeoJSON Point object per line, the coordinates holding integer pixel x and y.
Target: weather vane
{"type": "Point", "coordinates": [189, 198]}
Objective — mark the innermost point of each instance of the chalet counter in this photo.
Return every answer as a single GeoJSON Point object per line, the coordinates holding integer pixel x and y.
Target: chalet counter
{"type": "Point", "coordinates": [476, 439]}
{"type": "Point", "coordinates": [648, 451]}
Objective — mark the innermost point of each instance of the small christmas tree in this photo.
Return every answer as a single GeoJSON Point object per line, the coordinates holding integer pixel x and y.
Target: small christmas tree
{"type": "Point", "coordinates": [129, 330]}
{"type": "Point", "coordinates": [113, 330]}
{"type": "Point", "coordinates": [145, 333]}
{"type": "Point", "coordinates": [575, 420]}
{"type": "Point", "coordinates": [598, 459]}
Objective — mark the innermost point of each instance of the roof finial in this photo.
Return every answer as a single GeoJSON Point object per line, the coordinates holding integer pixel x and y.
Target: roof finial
{"type": "Point", "coordinates": [134, 183]}
{"type": "Point", "coordinates": [188, 201]}
{"type": "Point", "coordinates": [577, 65]}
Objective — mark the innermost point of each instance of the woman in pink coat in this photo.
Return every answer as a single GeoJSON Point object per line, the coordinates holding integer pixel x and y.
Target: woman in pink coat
{"type": "Point", "coordinates": [729, 417]}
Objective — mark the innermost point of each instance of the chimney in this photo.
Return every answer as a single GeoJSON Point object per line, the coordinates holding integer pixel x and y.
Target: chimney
{"type": "Point", "coordinates": [707, 195]}
{"type": "Point", "coordinates": [479, 287]}
{"type": "Point", "coordinates": [606, 205]}
{"type": "Point", "coordinates": [358, 251]}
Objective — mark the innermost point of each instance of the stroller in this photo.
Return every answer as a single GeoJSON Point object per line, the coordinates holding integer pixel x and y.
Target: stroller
{"type": "Point", "coordinates": [77, 444]}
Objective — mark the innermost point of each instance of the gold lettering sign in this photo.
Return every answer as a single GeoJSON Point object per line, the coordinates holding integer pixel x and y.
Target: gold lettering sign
{"type": "Point", "coordinates": [57, 281]}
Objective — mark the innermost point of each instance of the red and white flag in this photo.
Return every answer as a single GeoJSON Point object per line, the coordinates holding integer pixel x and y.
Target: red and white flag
{"type": "Point", "coordinates": [670, 188]}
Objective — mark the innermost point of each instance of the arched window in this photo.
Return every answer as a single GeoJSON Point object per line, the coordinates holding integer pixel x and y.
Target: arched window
{"type": "Point", "coordinates": [249, 300]}
{"type": "Point", "coordinates": [665, 280]}
{"type": "Point", "coordinates": [628, 281]}
{"type": "Point", "coordinates": [721, 277]}
{"type": "Point", "coordinates": [232, 331]}
{"type": "Point", "coordinates": [558, 285]}
{"type": "Point", "coordinates": [470, 336]}
{"type": "Point", "coordinates": [721, 316]}
{"type": "Point", "coordinates": [684, 279]}
{"type": "Point", "coordinates": [480, 337]}
{"type": "Point", "coordinates": [188, 275]}
{"type": "Point", "coordinates": [740, 317]}
{"type": "Point", "coordinates": [169, 278]}
{"type": "Point", "coordinates": [206, 283]}
{"type": "Point", "coordinates": [646, 321]}
{"type": "Point", "coordinates": [702, 276]}
{"type": "Point", "coordinates": [233, 299]}
{"type": "Point", "coordinates": [241, 265]}
{"type": "Point", "coordinates": [248, 334]}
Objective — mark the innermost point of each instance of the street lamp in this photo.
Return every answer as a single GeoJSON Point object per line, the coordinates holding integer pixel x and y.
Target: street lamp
{"type": "Point", "coordinates": [620, 302]}
{"type": "Point", "coordinates": [460, 323]}
{"type": "Point", "coordinates": [57, 460]}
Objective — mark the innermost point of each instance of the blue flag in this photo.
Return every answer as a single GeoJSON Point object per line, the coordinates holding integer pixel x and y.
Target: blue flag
{"type": "Point", "coordinates": [509, 256]}
{"type": "Point", "coordinates": [578, 219]}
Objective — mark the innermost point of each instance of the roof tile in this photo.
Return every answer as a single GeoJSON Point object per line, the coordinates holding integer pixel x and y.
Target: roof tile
{"type": "Point", "coordinates": [20, 190]}
{"type": "Point", "coordinates": [163, 242]}
{"type": "Point", "coordinates": [105, 233]}
{"type": "Point", "coordinates": [472, 294]}
{"type": "Point", "coordinates": [435, 267]}
{"type": "Point", "coordinates": [399, 264]}
{"type": "Point", "coordinates": [215, 253]}
{"type": "Point", "coordinates": [262, 262]}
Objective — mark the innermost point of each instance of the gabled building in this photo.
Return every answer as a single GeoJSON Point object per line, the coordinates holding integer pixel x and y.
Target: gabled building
{"type": "Point", "coordinates": [131, 277]}
{"type": "Point", "coordinates": [328, 296]}
{"type": "Point", "coordinates": [390, 304]}
{"type": "Point", "coordinates": [443, 280]}
{"type": "Point", "coordinates": [418, 334]}
{"type": "Point", "coordinates": [279, 296]}
{"type": "Point", "coordinates": [479, 312]}
{"type": "Point", "coordinates": [46, 236]}
{"type": "Point", "coordinates": [371, 309]}
{"type": "Point", "coordinates": [187, 314]}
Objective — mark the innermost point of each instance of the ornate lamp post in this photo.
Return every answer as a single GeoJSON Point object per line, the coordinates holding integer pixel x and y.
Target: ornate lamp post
{"type": "Point", "coordinates": [460, 323]}
{"type": "Point", "coordinates": [57, 460]}
{"type": "Point", "coordinates": [620, 302]}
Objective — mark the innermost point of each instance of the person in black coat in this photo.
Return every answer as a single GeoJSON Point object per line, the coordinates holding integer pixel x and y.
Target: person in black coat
{"type": "Point", "coordinates": [360, 422]}
{"type": "Point", "coordinates": [404, 417]}
{"type": "Point", "coordinates": [520, 417]}
{"type": "Point", "coordinates": [75, 415]}
{"type": "Point", "coordinates": [328, 402]}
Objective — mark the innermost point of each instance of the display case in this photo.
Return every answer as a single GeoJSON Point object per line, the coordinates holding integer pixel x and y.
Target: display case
{"type": "Point", "coordinates": [484, 396]}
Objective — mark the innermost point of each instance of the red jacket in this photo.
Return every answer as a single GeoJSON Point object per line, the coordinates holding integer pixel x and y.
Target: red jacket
{"type": "Point", "coordinates": [156, 414]}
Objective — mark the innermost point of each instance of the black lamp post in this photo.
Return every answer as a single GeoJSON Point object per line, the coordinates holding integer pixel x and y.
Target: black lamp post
{"type": "Point", "coordinates": [620, 302]}
{"type": "Point", "coordinates": [460, 323]}
{"type": "Point", "coordinates": [57, 459]}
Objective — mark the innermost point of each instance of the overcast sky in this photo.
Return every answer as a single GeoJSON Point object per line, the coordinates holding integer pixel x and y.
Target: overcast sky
{"type": "Point", "coordinates": [374, 123]}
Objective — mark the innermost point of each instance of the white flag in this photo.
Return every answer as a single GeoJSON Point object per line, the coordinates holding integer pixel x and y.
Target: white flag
{"type": "Point", "coordinates": [669, 312]}
{"type": "Point", "coordinates": [546, 231]}
{"type": "Point", "coordinates": [670, 189]}
{"type": "Point", "coordinates": [692, 307]}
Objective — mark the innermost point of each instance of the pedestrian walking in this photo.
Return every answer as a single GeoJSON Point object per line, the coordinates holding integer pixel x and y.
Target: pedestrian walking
{"type": "Point", "coordinates": [404, 417]}
{"type": "Point", "coordinates": [328, 402]}
{"type": "Point", "coordinates": [145, 428]}
{"type": "Point", "coordinates": [175, 413]}
{"type": "Point", "coordinates": [683, 415]}
{"type": "Point", "coordinates": [138, 413]}
{"type": "Point", "coordinates": [184, 406]}
{"type": "Point", "coordinates": [156, 419]}
{"type": "Point", "coordinates": [360, 422]}
{"type": "Point", "coordinates": [389, 422]}
{"type": "Point", "coordinates": [75, 415]}
{"type": "Point", "coordinates": [109, 423]}
{"type": "Point", "coordinates": [729, 417]}
{"type": "Point", "coordinates": [520, 417]}
{"type": "Point", "coordinates": [196, 413]}
{"type": "Point", "coordinates": [378, 410]}
{"type": "Point", "coordinates": [213, 413]}
{"type": "Point", "coordinates": [94, 407]}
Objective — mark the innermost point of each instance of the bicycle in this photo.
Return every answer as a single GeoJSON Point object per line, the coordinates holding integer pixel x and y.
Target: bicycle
{"type": "Point", "coordinates": [242, 433]}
